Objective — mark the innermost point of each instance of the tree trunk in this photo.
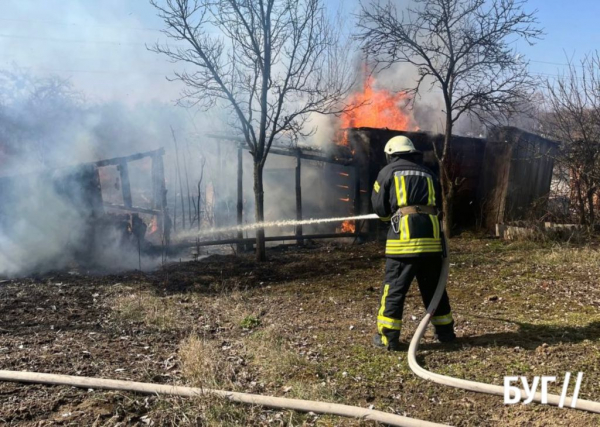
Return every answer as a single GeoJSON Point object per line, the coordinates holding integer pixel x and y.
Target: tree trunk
{"type": "Point", "coordinates": [300, 241]}
{"type": "Point", "coordinates": [446, 179]}
{"type": "Point", "coordinates": [580, 202]}
{"type": "Point", "coordinates": [447, 204]}
{"type": "Point", "coordinates": [259, 197]}
{"type": "Point", "coordinates": [240, 198]}
{"type": "Point", "coordinates": [590, 200]}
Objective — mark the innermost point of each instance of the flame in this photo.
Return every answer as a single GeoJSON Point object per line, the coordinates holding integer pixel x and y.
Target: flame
{"type": "Point", "coordinates": [348, 227]}
{"type": "Point", "coordinates": [381, 109]}
{"type": "Point", "coordinates": [153, 225]}
{"type": "Point", "coordinates": [347, 199]}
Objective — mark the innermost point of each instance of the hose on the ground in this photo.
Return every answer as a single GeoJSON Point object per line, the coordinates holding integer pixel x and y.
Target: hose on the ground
{"type": "Point", "coordinates": [552, 399]}
{"type": "Point", "coordinates": [253, 399]}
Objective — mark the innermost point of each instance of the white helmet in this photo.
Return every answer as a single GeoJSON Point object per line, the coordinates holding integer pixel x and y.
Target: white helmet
{"type": "Point", "coordinates": [398, 145]}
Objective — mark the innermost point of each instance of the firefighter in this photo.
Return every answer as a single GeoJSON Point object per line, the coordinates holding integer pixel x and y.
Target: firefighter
{"type": "Point", "coordinates": [407, 194]}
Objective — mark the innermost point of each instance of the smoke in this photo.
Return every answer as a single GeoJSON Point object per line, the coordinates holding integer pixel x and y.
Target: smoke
{"type": "Point", "coordinates": [99, 46]}
{"type": "Point", "coordinates": [46, 128]}
{"type": "Point", "coordinates": [42, 226]}
{"type": "Point", "coordinates": [78, 85]}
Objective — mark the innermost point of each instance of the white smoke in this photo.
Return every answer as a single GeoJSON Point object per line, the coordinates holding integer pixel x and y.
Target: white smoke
{"type": "Point", "coordinates": [46, 127]}
{"type": "Point", "coordinates": [78, 85]}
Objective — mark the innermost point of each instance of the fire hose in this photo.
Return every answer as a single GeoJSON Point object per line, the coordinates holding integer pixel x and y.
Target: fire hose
{"type": "Point", "coordinates": [303, 405]}
{"type": "Point", "coordinates": [253, 399]}
{"type": "Point", "coordinates": [552, 399]}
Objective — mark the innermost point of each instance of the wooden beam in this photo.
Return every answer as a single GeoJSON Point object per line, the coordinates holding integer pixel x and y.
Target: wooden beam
{"type": "Point", "coordinates": [118, 160]}
{"type": "Point", "coordinates": [125, 184]}
{"type": "Point", "coordinates": [292, 152]}
{"type": "Point", "coordinates": [132, 209]}
{"type": "Point", "coordinates": [357, 201]}
{"type": "Point", "coordinates": [267, 239]}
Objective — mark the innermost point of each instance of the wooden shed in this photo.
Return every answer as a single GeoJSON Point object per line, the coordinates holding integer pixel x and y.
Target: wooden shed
{"type": "Point", "coordinates": [516, 176]}
{"type": "Point", "coordinates": [501, 178]}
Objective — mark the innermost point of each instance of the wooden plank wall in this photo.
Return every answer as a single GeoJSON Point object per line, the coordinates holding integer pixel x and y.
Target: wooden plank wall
{"type": "Point", "coordinates": [530, 174]}
{"type": "Point", "coordinates": [501, 177]}
{"type": "Point", "coordinates": [466, 156]}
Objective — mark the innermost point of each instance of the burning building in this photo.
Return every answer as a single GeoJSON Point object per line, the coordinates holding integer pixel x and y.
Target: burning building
{"type": "Point", "coordinates": [59, 216]}
{"type": "Point", "coordinates": [499, 179]}
{"type": "Point", "coordinates": [504, 177]}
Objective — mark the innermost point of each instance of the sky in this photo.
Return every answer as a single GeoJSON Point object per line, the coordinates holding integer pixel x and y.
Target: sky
{"type": "Point", "coordinates": [101, 45]}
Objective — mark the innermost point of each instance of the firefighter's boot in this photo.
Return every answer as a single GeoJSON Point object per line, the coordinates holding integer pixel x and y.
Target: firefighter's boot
{"type": "Point", "coordinates": [445, 333]}
{"type": "Point", "coordinates": [390, 341]}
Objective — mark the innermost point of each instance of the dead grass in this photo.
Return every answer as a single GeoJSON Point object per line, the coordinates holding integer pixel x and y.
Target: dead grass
{"type": "Point", "coordinates": [281, 365]}
{"type": "Point", "coordinates": [148, 309]}
{"type": "Point", "coordinates": [206, 410]}
{"type": "Point", "coordinates": [204, 365]}
{"type": "Point", "coordinates": [568, 256]}
{"type": "Point", "coordinates": [263, 359]}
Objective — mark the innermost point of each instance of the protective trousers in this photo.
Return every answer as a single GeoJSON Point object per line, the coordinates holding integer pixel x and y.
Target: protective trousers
{"type": "Point", "coordinates": [399, 274]}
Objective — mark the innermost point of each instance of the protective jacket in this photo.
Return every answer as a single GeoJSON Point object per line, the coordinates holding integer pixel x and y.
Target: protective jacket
{"type": "Point", "coordinates": [404, 183]}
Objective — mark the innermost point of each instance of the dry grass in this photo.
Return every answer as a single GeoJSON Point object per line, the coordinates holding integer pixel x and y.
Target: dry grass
{"type": "Point", "coordinates": [227, 309]}
{"type": "Point", "coordinates": [563, 254]}
{"type": "Point", "coordinates": [146, 308]}
{"type": "Point", "coordinates": [204, 364]}
{"type": "Point", "coordinates": [262, 360]}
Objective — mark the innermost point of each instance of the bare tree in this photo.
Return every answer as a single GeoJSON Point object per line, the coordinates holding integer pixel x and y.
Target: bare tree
{"type": "Point", "coordinates": [462, 48]}
{"type": "Point", "coordinates": [574, 119]}
{"type": "Point", "coordinates": [34, 112]}
{"type": "Point", "coordinates": [273, 63]}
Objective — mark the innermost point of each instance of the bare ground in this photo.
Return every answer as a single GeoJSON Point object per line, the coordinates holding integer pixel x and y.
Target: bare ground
{"type": "Point", "coordinates": [300, 326]}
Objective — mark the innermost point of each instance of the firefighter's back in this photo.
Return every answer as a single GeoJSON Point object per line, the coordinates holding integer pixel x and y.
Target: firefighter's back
{"type": "Point", "coordinates": [413, 193]}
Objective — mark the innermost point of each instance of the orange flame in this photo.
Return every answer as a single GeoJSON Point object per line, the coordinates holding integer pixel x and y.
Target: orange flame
{"type": "Point", "coordinates": [348, 227]}
{"type": "Point", "coordinates": [381, 109]}
{"type": "Point", "coordinates": [153, 225]}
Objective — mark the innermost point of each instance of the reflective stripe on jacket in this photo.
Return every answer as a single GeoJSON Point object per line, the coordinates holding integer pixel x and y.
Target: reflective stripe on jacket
{"type": "Point", "coordinates": [406, 183]}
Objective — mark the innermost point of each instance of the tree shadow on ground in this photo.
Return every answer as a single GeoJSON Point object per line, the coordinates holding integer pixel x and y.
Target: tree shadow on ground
{"type": "Point", "coordinates": [529, 337]}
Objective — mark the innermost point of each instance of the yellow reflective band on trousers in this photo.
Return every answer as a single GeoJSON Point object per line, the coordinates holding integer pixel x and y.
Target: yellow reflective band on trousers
{"type": "Point", "coordinates": [376, 187]}
{"type": "Point", "coordinates": [446, 319]}
{"type": "Point", "coordinates": [388, 322]}
{"type": "Point", "coordinates": [383, 321]}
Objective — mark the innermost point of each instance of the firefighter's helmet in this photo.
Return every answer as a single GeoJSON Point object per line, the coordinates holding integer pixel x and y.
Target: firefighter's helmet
{"type": "Point", "coordinates": [399, 145]}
